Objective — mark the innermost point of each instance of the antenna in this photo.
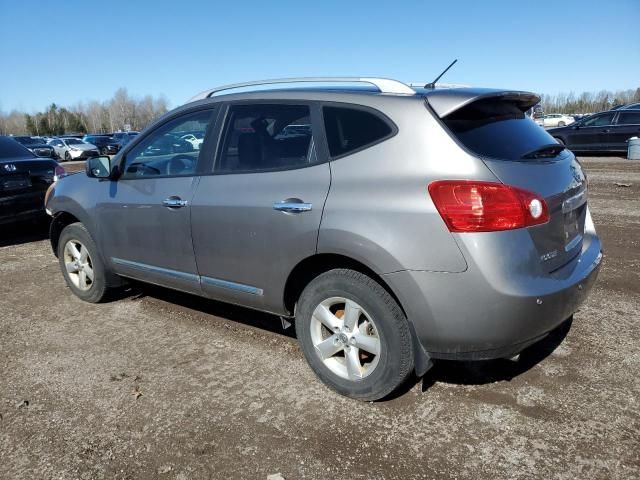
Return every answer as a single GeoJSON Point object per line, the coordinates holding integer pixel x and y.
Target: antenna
{"type": "Point", "coordinates": [432, 85]}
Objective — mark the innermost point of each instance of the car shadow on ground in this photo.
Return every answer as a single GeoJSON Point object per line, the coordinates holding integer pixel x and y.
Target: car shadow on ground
{"type": "Point", "coordinates": [225, 311]}
{"type": "Point", "coordinates": [24, 232]}
{"type": "Point", "coordinates": [490, 371]}
{"type": "Point", "coordinates": [443, 371]}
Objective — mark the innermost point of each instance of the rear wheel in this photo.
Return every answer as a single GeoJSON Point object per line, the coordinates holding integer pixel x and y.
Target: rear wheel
{"type": "Point", "coordinates": [81, 264]}
{"type": "Point", "coordinates": [561, 124]}
{"type": "Point", "coordinates": [559, 140]}
{"type": "Point", "coordinates": [354, 335]}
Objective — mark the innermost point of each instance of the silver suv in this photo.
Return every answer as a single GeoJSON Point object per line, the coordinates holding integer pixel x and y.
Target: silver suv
{"type": "Point", "coordinates": [396, 225]}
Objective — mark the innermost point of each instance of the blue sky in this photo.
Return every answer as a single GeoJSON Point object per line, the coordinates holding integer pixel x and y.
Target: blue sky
{"type": "Point", "coordinates": [70, 51]}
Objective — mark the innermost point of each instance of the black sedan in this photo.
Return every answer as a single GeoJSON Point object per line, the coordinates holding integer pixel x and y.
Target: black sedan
{"type": "Point", "coordinates": [24, 180]}
{"type": "Point", "coordinates": [37, 146]}
{"type": "Point", "coordinates": [601, 132]}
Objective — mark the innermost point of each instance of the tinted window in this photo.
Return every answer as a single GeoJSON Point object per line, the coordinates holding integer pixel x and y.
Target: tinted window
{"type": "Point", "coordinates": [9, 148]}
{"type": "Point", "coordinates": [350, 129]}
{"type": "Point", "coordinates": [163, 152]}
{"type": "Point", "coordinates": [599, 120]}
{"type": "Point", "coordinates": [498, 129]}
{"type": "Point", "coordinates": [629, 118]}
{"type": "Point", "coordinates": [265, 137]}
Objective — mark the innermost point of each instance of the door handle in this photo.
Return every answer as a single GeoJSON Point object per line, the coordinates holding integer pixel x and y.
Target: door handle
{"type": "Point", "coordinates": [605, 131]}
{"type": "Point", "coordinates": [292, 207]}
{"type": "Point", "coordinates": [174, 202]}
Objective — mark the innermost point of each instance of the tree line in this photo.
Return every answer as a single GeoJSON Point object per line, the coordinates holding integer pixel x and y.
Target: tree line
{"type": "Point", "coordinates": [588, 102]}
{"type": "Point", "coordinates": [120, 112]}
{"type": "Point", "coordinates": [123, 111]}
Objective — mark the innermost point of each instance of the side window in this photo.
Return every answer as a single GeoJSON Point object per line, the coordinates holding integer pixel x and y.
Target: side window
{"type": "Point", "coordinates": [629, 118]}
{"type": "Point", "coordinates": [164, 152]}
{"type": "Point", "coordinates": [266, 137]}
{"type": "Point", "coordinates": [350, 129]}
{"type": "Point", "coordinates": [600, 120]}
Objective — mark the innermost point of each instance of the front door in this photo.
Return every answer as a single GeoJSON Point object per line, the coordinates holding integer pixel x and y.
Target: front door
{"type": "Point", "coordinates": [258, 213]}
{"type": "Point", "coordinates": [592, 134]}
{"type": "Point", "coordinates": [145, 223]}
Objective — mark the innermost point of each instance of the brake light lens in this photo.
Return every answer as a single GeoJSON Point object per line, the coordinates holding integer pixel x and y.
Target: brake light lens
{"type": "Point", "coordinates": [58, 173]}
{"type": "Point", "coordinates": [470, 206]}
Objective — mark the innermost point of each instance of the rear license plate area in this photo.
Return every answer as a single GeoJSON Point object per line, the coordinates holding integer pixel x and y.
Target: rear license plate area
{"type": "Point", "coordinates": [15, 182]}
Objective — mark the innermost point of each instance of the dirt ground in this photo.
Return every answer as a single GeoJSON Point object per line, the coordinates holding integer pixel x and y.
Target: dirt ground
{"type": "Point", "coordinates": [163, 385]}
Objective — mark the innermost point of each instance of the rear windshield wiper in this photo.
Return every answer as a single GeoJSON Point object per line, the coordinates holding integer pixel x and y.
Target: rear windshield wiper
{"type": "Point", "coordinates": [545, 151]}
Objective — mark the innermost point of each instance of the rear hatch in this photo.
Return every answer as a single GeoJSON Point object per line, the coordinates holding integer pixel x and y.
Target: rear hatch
{"type": "Point", "coordinates": [494, 127]}
{"type": "Point", "coordinates": [30, 177]}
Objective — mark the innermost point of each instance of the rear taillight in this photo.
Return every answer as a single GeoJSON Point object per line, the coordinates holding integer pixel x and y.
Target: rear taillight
{"type": "Point", "coordinates": [469, 206]}
{"type": "Point", "coordinates": [58, 173]}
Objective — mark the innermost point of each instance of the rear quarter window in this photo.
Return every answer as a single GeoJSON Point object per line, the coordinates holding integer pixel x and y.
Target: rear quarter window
{"type": "Point", "coordinates": [498, 129]}
{"type": "Point", "coordinates": [350, 129]}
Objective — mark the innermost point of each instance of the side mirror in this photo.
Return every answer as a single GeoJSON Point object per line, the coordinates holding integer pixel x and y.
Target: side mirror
{"type": "Point", "coordinates": [98, 167]}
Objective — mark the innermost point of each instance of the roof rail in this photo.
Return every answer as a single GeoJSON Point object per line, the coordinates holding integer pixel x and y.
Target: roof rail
{"type": "Point", "coordinates": [385, 85]}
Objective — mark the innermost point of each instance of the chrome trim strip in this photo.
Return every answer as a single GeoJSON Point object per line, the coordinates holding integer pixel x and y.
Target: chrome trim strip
{"type": "Point", "coordinates": [292, 207]}
{"type": "Point", "coordinates": [576, 240]}
{"type": "Point", "coordinates": [216, 282]}
{"type": "Point", "coordinates": [153, 269]}
{"type": "Point", "coordinates": [574, 202]}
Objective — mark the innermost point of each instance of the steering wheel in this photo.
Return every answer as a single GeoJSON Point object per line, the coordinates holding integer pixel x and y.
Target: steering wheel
{"type": "Point", "coordinates": [180, 164]}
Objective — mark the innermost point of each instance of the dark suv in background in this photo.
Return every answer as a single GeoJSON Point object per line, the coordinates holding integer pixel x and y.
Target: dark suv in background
{"type": "Point", "coordinates": [37, 146]}
{"type": "Point", "coordinates": [106, 145]}
{"type": "Point", "coordinates": [601, 132]}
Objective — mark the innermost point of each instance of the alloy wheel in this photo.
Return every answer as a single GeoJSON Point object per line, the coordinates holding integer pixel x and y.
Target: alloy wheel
{"type": "Point", "coordinates": [78, 264]}
{"type": "Point", "coordinates": [345, 338]}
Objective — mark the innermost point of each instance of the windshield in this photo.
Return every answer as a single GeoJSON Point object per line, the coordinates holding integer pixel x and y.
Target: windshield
{"type": "Point", "coordinates": [498, 129]}
{"type": "Point", "coordinates": [9, 148]}
{"type": "Point", "coordinates": [73, 141]}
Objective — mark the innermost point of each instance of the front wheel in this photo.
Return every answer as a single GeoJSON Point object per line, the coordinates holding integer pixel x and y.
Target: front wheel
{"type": "Point", "coordinates": [561, 124]}
{"type": "Point", "coordinates": [67, 156]}
{"type": "Point", "coordinates": [354, 335]}
{"type": "Point", "coordinates": [81, 264]}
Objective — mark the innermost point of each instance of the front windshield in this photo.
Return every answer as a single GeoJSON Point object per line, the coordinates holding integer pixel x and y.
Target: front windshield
{"type": "Point", "coordinates": [73, 141]}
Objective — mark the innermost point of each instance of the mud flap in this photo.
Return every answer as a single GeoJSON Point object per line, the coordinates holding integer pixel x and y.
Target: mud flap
{"type": "Point", "coordinates": [423, 362]}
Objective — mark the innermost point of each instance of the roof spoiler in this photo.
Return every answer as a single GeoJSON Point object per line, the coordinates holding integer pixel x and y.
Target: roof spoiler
{"type": "Point", "coordinates": [445, 102]}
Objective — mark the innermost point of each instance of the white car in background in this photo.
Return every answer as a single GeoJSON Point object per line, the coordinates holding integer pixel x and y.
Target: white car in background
{"type": "Point", "coordinates": [556, 120]}
{"type": "Point", "coordinates": [70, 148]}
{"type": "Point", "coordinates": [195, 139]}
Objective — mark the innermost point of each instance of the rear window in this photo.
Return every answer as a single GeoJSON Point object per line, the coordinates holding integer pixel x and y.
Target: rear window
{"type": "Point", "coordinates": [497, 129]}
{"type": "Point", "coordinates": [9, 148]}
{"type": "Point", "coordinates": [629, 118]}
{"type": "Point", "coordinates": [350, 129]}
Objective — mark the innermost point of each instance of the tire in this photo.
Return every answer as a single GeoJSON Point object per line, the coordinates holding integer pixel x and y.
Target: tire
{"type": "Point", "coordinates": [67, 157]}
{"type": "Point", "coordinates": [77, 264]}
{"type": "Point", "coordinates": [559, 140]}
{"type": "Point", "coordinates": [379, 323]}
{"type": "Point", "coordinates": [561, 124]}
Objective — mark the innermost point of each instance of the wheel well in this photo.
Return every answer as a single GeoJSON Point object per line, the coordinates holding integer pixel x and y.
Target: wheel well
{"type": "Point", "coordinates": [311, 267]}
{"type": "Point", "coordinates": [58, 223]}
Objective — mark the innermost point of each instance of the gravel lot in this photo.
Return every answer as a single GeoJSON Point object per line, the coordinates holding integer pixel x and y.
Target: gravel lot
{"type": "Point", "coordinates": [163, 385]}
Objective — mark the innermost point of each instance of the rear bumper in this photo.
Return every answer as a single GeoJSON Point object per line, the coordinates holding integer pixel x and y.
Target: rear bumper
{"type": "Point", "coordinates": [22, 207]}
{"type": "Point", "coordinates": [474, 315]}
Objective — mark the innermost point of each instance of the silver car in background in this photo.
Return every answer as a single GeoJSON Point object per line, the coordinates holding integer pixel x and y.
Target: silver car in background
{"type": "Point", "coordinates": [395, 225]}
{"type": "Point", "coordinates": [71, 148]}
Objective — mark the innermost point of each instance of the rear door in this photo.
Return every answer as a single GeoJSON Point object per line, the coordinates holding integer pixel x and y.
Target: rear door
{"type": "Point", "coordinates": [145, 222]}
{"type": "Point", "coordinates": [627, 125]}
{"type": "Point", "coordinates": [257, 214]}
{"type": "Point", "coordinates": [522, 154]}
